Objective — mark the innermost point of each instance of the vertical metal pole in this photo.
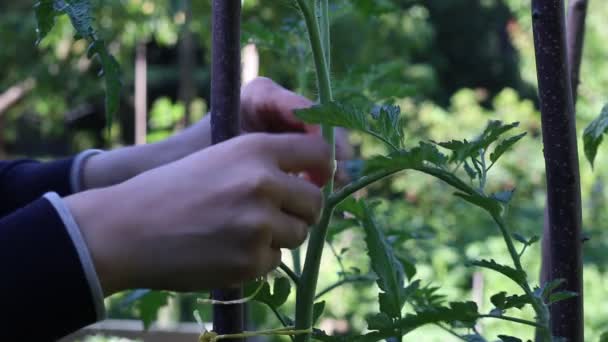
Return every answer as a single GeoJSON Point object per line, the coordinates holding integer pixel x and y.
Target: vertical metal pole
{"type": "Point", "coordinates": [561, 163]}
{"type": "Point", "coordinates": [225, 124]}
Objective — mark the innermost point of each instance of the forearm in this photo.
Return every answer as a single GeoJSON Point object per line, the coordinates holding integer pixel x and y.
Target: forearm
{"type": "Point", "coordinates": [119, 165]}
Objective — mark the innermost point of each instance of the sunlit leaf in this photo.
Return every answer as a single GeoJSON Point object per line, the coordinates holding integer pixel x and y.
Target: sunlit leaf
{"type": "Point", "coordinates": [504, 146]}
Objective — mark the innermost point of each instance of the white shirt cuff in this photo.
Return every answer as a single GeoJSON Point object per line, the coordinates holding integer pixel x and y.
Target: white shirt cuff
{"type": "Point", "coordinates": [82, 250]}
{"type": "Point", "coordinates": [76, 171]}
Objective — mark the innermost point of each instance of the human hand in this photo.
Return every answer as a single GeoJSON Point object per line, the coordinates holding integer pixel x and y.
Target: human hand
{"type": "Point", "coordinates": [268, 107]}
{"type": "Point", "coordinates": [215, 218]}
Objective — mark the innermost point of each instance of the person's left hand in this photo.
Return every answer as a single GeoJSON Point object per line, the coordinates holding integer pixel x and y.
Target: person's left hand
{"type": "Point", "coordinates": [268, 107]}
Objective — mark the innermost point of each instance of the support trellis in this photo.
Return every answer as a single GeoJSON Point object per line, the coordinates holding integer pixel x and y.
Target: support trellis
{"type": "Point", "coordinates": [564, 256]}
{"type": "Point", "coordinates": [225, 124]}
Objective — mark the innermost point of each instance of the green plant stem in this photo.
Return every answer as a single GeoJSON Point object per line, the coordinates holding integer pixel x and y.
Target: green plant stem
{"type": "Point", "coordinates": [346, 280]}
{"type": "Point", "coordinates": [290, 273]}
{"type": "Point", "coordinates": [516, 320]}
{"type": "Point", "coordinates": [339, 196]}
{"type": "Point", "coordinates": [539, 308]}
{"type": "Point", "coordinates": [308, 281]}
{"type": "Point", "coordinates": [296, 257]}
{"type": "Point", "coordinates": [310, 273]}
{"type": "Point", "coordinates": [324, 23]}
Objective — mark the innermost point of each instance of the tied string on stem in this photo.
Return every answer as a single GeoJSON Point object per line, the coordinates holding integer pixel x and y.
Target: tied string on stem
{"type": "Point", "coordinates": [210, 336]}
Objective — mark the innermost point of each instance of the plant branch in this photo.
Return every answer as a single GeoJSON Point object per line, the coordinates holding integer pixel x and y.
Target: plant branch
{"type": "Point", "coordinates": [344, 281]}
{"type": "Point", "coordinates": [290, 273]}
{"type": "Point", "coordinates": [516, 320]}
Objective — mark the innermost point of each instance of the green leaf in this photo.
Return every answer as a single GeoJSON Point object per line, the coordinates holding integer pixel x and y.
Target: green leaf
{"type": "Point", "coordinates": [112, 77]}
{"type": "Point", "coordinates": [387, 124]}
{"type": "Point", "coordinates": [317, 311]}
{"type": "Point", "coordinates": [594, 134]}
{"type": "Point", "coordinates": [379, 321]}
{"type": "Point", "coordinates": [149, 305]}
{"type": "Point", "coordinates": [562, 295]}
{"type": "Point", "coordinates": [463, 149]}
{"type": "Point", "coordinates": [464, 313]}
{"type": "Point", "coordinates": [517, 276]}
{"type": "Point", "coordinates": [604, 337]}
{"type": "Point", "coordinates": [280, 291]}
{"type": "Point", "coordinates": [506, 338]}
{"type": "Point", "coordinates": [334, 114]}
{"type": "Point", "coordinates": [45, 18]}
{"type": "Point", "coordinates": [504, 146]}
{"type": "Point", "coordinates": [503, 302]}
{"type": "Point", "coordinates": [386, 266]}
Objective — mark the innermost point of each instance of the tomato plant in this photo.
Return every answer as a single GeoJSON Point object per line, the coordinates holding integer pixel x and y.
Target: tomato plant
{"type": "Point", "coordinates": [405, 303]}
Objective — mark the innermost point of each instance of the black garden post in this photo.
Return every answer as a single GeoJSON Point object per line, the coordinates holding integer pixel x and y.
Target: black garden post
{"type": "Point", "coordinates": [225, 124]}
{"type": "Point", "coordinates": [562, 167]}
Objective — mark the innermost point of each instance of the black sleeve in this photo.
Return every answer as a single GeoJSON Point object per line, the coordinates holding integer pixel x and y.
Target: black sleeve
{"type": "Point", "coordinates": [43, 287]}
{"type": "Point", "coordinates": [23, 181]}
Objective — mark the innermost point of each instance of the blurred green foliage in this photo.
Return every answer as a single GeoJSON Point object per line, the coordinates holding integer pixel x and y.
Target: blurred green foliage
{"type": "Point", "coordinates": [450, 65]}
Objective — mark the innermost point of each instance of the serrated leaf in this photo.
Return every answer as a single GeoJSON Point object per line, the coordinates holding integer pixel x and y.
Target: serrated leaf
{"type": "Point", "coordinates": [506, 338]}
{"type": "Point", "coordinates": [503, 302]}
{"type": "Point", "coordinates": [317, 311]}
{"type": "Point", "coordinates": [386, 266]}
{"type": "Point", "coordinates": [504, 146]}
{"type": "Point", "coordinates": [334, 114]}
{"type": "Point", "coordinates": [560, 296]}
{"type": "Point", "coordinates": [517, 276]}
{"type": "Point", "coordinates": [379, 321]}
{"type": "Point", "coordinates": [463, 149]}
{"type": "Point", "coordinates": [149, 305]}
{"type": "Point", "coordinates": [594, 134]}
{"type": "Point", "coordinates": [383, 123]}
{"type": "Point", "coordinates": [464, 313]}
{"type": "Point", "coordinates": [388, 124]}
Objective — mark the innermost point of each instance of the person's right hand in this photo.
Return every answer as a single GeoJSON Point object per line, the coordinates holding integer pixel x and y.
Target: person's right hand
{"type": "Point", "coordinates": [215, 218]}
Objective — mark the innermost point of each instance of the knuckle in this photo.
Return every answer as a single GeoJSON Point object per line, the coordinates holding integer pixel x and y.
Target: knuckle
{"type": "Point", "coordinates": [261, 182]}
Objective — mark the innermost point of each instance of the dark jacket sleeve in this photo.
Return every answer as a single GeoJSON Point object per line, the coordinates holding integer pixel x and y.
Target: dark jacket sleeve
{"type": "Point", "coordinates": [23, 181]}
{"type": "Point", "coordinates": [43, 287]}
